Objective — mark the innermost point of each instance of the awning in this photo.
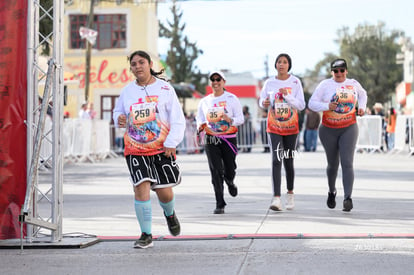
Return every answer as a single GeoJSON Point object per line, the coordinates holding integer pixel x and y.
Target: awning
{"type": "Point", "coordinates": [186, 90]}
{"type": "Point", "coordinates": [197, 94]}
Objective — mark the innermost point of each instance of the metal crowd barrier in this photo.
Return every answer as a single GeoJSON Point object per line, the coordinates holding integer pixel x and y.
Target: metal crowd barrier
{"type": "Point", "coordinates": [370, 133]}
{"type": "Point", "coordinates": [248, 137]}
{"type": "Point", "coordinates": [410, 129]}
{"type": "Point", "coordinates": [404, 133]}
{"type": "Point", "coordinates": [86, 140]}
{"type": "Point", "coordinates": [91, 140]}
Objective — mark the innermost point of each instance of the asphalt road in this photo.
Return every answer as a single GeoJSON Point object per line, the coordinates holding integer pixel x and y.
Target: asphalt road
{"type": "Point", "coordinates": [376, 237]}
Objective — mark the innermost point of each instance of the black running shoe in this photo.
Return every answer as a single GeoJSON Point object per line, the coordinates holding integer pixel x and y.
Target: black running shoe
{"type": "Point", "coordinates": [232, 189]}
{"type": "Point", "coordinates": [219, 210]}
{"type": "Point", "coordinates": [348, 205]}
{"type": "Point", "coordinates": [144, 241]}
{"type": "Point", "coordinates": [173, 224]}
{"type": "Point", "coordinates": [331, 200]}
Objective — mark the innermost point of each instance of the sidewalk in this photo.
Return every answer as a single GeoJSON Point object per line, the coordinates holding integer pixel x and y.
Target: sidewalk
{"type": "Point", "coordinates": [376, 237]}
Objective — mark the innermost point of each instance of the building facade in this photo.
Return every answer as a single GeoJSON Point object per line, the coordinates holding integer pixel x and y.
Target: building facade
{"type": "Point", "coordinates": [123, 27]}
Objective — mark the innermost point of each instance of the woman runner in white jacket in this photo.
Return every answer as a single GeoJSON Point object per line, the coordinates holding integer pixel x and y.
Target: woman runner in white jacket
{"type": "Point", "coordinates": [150, 111]}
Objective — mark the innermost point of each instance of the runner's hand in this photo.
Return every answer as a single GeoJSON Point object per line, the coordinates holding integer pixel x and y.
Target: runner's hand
{"type": "Point", "coordinates": [266, 102]}
{"type": "Point", "coordinates": [122, 121]}
{"type": "Point", "coordinates": [170, 152]}
{"type": "Point", "coordinates": [333, 105]}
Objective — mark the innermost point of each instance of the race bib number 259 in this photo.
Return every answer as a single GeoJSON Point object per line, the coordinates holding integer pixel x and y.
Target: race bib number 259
{"type": "Point", "coordinates": [143, 113]}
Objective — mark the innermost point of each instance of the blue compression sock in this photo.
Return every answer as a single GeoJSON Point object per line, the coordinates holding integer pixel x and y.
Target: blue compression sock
{"type": "Point", "coordinates": [143, 210]}
{"type": "Point", "coordinates": [168, 207]}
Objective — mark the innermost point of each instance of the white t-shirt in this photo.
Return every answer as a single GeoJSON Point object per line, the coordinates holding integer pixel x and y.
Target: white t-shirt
{"type": "Point", "coordinates": [155, 118]}
{"type": "Point", "coordinates": [84, 114]}
{"type": "Point", "coordinates": [211, 109]}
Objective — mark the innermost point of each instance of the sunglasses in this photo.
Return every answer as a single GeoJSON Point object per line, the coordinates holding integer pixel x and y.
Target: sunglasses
{"type": "Point", "coordinates": [218, 79]}
{"type": "Point", "coordinates": [337, 71]}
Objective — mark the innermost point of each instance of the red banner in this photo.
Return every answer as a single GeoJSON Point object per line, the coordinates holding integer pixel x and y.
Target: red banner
{"type": "Point", "coordinates": [13, 102]}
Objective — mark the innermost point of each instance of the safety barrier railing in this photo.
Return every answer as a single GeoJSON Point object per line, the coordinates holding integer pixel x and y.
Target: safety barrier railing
{"type": "Point", "coordinates": [370, 136]}
{"type": "Point", "coordinates": [404, 134]}
{"type": "Point", "coordinates": [91, 140]}
{"type": "Point", "coordinates": [410, 128]}
{"type": "Point", "coordinates": [86, 140]}
{"type": "Point", "coordinates": [248, 137]}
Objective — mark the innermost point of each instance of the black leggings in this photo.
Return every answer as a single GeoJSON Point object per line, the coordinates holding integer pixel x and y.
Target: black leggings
{"type": "Point", "coordinates": [283, 148]}
{"type": "Point", "coordinates": [222, 163]}
{"type": "Point", "coordinates": [340, 144]}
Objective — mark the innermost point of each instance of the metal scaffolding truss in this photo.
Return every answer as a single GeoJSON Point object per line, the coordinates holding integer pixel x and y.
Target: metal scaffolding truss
{"type": "Point", "coordinates": [42, 209]}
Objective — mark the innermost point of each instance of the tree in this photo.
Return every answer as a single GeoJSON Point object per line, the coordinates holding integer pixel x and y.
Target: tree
{"type": "Point", "coordinates": [45, 24]}
{"type": "Point", "coordinates": [371, 56]}
{"type": "Point", "coordinates": [182, 53]}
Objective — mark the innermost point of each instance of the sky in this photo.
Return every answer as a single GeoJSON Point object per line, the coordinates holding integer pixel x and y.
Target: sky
{"type": "Point", "coordinates": [241, 35]}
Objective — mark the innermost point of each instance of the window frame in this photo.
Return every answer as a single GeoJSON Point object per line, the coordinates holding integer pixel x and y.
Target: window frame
{"type": "Point", "coordinates": [114, 38]}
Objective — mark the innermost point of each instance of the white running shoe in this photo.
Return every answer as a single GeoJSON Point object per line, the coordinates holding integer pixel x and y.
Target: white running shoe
{"type": "Point", "coordinates": [276, 204]}
{"type": "Point", "coordinates": [290, 201]}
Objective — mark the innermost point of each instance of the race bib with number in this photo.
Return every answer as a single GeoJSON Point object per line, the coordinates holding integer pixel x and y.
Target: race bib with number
{"type": "Point", "coordinates": [214, 114]}
{"type": "Point", "coordinates": [346, 98]}
{"type": "Point", "coordinates": [344, 115]}
{"type": "Point", "coordinates": [143, 126]}
{"type": "Point", "coordinates": [283, 120]}
{"type": "Point", "coordinates": [282, 111]}
{"type": "Point", "coordinates": [143, 113]}
{"type": "Point", "coordinates": [215, 122]}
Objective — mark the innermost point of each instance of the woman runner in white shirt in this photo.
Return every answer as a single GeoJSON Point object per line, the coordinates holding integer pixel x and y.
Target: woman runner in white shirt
{"type": "Point", "coordinates": [340, 99]}
{"type": "Point", "coordinates": [218, 116]}
{"type": "Point", "coordinates": [283, 95]}
{"type": "Point", "coordinates": [150, 111]}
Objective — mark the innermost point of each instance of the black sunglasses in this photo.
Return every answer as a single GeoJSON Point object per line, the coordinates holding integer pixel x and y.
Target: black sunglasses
{"type": "Point", "coordinates": [341, 70]}
{"type": "Point", "coordinates": [218, 79]}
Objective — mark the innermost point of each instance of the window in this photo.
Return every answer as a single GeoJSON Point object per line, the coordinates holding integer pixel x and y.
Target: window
{"type": "Point", "coordinates": [107, 105]}
{"type": "Point", "coordinates": [111, 31]}
{"type": "Point", "coordinates": [77, 21]}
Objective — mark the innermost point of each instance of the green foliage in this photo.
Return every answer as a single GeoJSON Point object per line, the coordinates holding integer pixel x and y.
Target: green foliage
{"type": "Point", "coordinates": [371, 56]}
{"type": "Point", "coordinates": [182, 53]}
{"type": "Point", "coordinates": [45, 24]}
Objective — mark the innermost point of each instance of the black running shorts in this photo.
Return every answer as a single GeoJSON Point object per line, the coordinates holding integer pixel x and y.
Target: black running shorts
{"type": "Point", "coordinates": [158, 169]}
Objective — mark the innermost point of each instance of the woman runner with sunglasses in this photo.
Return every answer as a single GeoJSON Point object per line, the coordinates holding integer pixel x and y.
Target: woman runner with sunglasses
{"type": "Point", "coordinates": [338, 98]}
{"type": "Point", "coordinates": [218, 116]}
{"type": "Point", "coordinates": [283, 95]}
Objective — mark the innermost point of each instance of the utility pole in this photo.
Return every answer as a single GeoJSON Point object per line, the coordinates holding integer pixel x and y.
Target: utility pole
{"type": "Point", "coordinates": [88, 51]}
{"type": "Point", "coordinates": [266, 65]}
